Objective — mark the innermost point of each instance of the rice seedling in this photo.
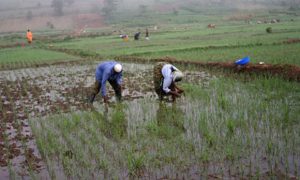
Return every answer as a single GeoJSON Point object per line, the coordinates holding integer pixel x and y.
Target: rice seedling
{"type": "Point", "coordinates": [167, 136]}
{"type": "Point", "coordinates": [26, 57]}
{"type": "Point", "coordinates": [243, 126]}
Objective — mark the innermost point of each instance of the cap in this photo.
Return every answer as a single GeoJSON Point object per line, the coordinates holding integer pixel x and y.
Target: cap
{"type": "Point", "coordinates": [118, 68]}
{"type": "Point", "coordinates": [177, 76]}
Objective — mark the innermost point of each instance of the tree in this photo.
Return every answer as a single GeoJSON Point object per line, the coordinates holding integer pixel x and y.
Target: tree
{"type": "Point", "coordinates": [29, 15]}
{"type": "Point", "coordinates": [50, 25]}
{"type": "Point", "coordinates": [58, 7]}
{"type": "Point", "coordinates": [142, 9]}
{"type": "Point", "coordinates": [175, 11]}
{"type": "Point", "coordinates": [110, 6]}
{"type": "Point", "coordinates": [38, 5]}
{"type": "Point", "coordinates": [69, 2]}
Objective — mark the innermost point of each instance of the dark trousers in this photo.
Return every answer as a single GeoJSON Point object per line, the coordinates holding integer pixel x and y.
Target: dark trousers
{"type": "Point", "coordinates": [161, 93]}
{"type": "Point", "coordinates": [114, 84]}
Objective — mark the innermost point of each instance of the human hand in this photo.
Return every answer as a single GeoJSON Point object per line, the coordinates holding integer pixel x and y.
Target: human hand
{"type": "Point", "coordinates": [180, 91]}
{"type": "Point", "coordinates": [105, 99]}
{"type": "Point", "coordinates": [175, 94]}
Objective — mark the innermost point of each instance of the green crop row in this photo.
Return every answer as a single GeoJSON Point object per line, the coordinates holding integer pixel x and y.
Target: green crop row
{"type": "Point", "coordinates": [225, 43]}
{"type": "Point", "coordinates": [11, 58]}
{"type": "Point", "coordinates": [248, 128]}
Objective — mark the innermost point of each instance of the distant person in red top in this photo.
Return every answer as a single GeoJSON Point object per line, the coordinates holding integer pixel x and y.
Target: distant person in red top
{"type": "Point", "coordinates": [124, 37]}
{"type": "Point", "coordinates": [29, 36]}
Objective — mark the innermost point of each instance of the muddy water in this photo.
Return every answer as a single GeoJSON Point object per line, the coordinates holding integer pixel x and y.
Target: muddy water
{"type": "Point", "coordinates": [36, 92]}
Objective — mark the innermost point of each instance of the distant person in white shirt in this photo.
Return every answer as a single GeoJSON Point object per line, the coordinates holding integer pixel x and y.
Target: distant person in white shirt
{"type": "Point", "coordinates": [165, 77]}
{"type": "Point", "coordinates": [147, 34]}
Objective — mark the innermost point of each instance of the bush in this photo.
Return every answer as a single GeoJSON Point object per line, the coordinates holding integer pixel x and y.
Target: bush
{"type": "Point", "coordinates": [29, 15]}
{"type": "Point", "coordinates": [50, 25]}
{"type": "Point", "coordinates": [269, 30]}
{"type": "Point", "coordinates": [294, 7]}
{"type": "Point", "coordinates": [67, 38]}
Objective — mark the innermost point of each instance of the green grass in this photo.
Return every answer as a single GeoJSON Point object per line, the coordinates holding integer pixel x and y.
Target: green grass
{"type": "Point", "coordinates": [227, 42]}
{"type": "Point", "coordinates": [227, 121]}
{"type": "Point", "coordinates": [187, 37]}
{"type": "Point", "coordinates": [28, 56]}
{"type": "Point", "coordinates": [271, 54]}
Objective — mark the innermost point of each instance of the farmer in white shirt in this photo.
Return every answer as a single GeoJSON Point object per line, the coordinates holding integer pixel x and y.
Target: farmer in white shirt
{"type": "Point", "coordinates": [165, 77]}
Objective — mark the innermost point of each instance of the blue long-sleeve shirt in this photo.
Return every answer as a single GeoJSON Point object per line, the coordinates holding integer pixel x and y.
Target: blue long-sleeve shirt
{"type": "Point", "coordinates": [105, 72]}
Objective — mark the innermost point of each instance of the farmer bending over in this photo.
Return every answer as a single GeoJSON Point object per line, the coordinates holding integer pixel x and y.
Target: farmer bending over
{"type": "Point", "coordinates": [165, 76]}
{"type": "Point", "coordinates": [110, 71]}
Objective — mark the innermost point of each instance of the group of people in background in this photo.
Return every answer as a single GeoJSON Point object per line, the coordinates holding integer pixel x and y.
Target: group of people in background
{"type": "Point", "coordinates": [125, 37]}
{"type": "Point", "coordinates": [165, 76]}
{"type": "Point", "coordinates": [136, 36]}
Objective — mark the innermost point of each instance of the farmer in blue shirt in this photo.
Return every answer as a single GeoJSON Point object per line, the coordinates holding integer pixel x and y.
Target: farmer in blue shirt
{"type": "Point", "coordinates": [165, 78]}
{"type": "Point", "coordinates": [110, 71]}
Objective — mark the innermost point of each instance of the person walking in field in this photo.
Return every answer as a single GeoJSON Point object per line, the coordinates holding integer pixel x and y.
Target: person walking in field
{"type": "Point", "coordinates": [29, 36]}
{"type": "Point", "coordinates": [147, 34]}
{"type": "Point", "coordinates": [110, 71]}
{"type": "Point", "coordinates": [165, 77]}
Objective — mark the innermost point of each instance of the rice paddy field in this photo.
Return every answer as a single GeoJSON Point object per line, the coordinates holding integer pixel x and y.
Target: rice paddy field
{"type": "Point", "coordinates": [226, 125]}
{"type": "Point", "coordinates": [13, 58]}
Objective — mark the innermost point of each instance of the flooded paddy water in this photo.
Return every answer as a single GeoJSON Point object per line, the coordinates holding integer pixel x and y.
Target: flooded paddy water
{"type": "Point", "coordinates": [49, 130]}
